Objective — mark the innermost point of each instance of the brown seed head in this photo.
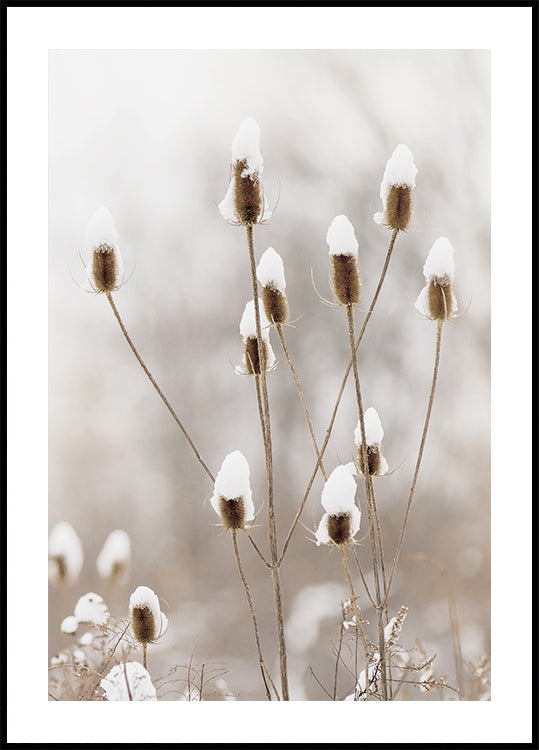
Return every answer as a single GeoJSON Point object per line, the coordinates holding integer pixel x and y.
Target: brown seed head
{"type": "Point", "coordinates": [440, 298]}
{"type": "Point", "coordinates": [252, 362]}
{"type": "Point", "coordinates": [232, 512]}
{"type": "Point", "coordinates": [339, 528]}
{"type": "Point", "coordinates": [248, 194]}
{"type": "Point", "coordinates": [373, 459]}
{"type": "Point", "coordinates": [399, 205]}
{"type": "Point", "coordinates": [61, 568]}
{"type": "Point", "coordinates": [104, 269]}
{"type": "Point", "coordinates": [275, 305]}
{"type": "Point", "coordinates": [346, 279]}
{"type": "Point", "coordinates": [144, 627]}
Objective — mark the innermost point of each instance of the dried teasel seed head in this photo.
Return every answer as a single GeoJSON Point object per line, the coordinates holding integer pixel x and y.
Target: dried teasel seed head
{"type": "Point", "coordinates": [339, 528]}
{"type": "Point", "coordinates": [374, 433]}
{"type": "Point", "coordinates": [396, 190]}
{"type": "Point", "coordinates": [437, 299]}
{"type": "Point", "coordinates": [104, 272]}
{"type": "Point", "coordinates": [244, 202]}
{"type": "Point", "coordinates": [147, 620]}
{"type": "Point", "coordinates": [232, 512]}
{"type": "Point", "coordinates": [346, 279]}
{"type": "Point", "coordinates": [253, 364]}
{"type": "Point", "coordinates": [373, 459]}
{"type": "Point", "coordinates": [270, 273]}
{"type": "Point", "coordinates": [343, 250]}
{"type": "Point", "coordinates": [399, 205]}
{"type": "Point", "coordinates": [104, 269]}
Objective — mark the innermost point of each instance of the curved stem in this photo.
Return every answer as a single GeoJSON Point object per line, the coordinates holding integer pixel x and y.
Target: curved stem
{"type": "Point", "coordinates": [157, 388]}
{"type": "Point", "coordinates": [371, 503]}
{"type": "Point", "coordinates": [420, 454]}
{"type": "Point", "coordinates": [279, 328]}
{"type": "Point", "coordinates": [263, 667]}
{"type": "Point", "coordinates": [266, 432]}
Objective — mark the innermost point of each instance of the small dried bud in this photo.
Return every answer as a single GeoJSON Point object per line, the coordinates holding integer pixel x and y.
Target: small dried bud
{"type": "Point", "coordinates": [270, 273]}
{"type": "Point", "coordinates": [275, 305]}
{"type": "Point", "coordinates": [66, 555]}
{"type": "Point", "coordinates": [440, 296]}
{"type": "Point", "coordinates": [144, 626]}
{"type": "Point", "coordinates": [248, 194]}
{"type": "Point", "coordinates": [373, 459]}
{"type": "Point", "coordinates": [343, 250]}
{"type": "Point", "coordinates": [341, 521]}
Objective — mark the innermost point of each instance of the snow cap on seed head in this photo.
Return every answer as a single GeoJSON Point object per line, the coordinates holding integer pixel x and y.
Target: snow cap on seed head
{"type": "Point", "coordinates": [343, 251]}
{"type": "Point", "coordinates": [147, 620]}
{"type": "Point", "coordinates": [341, 521]}
{"type": "Point", "coordinates": [396, 189]}
{"type": "Point", "coordinates": [114, 559]}
{"type": "Point", "coordinates": [270, 273]}
{"type": "Point", "coordinates": [232, 496]}
{"type": "Point", "coordinates": [245, 202]}
{"type": "Point", "coordinates": [374, 435]}
{"type": "Point", "coordinates": [66, 555]}
{"type": "Point", "coordinates": [251, 364]}
{"type": "Point", "coordinates": [437, 300]}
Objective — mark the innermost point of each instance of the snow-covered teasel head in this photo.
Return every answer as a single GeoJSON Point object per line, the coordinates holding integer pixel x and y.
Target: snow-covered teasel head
{"type": "Point", "coordinates": [232, 497]}
{"type": "Point", "coordinates": [244, 202]}
{"type": "Point", "coordinates": [377, 465]}
{"type": "Point", "coordinates": [114, 559]}
{"type": "Point", "coordinates": [341, 521]}
{"type": "Point", "coordinates": [104, 272]}
{"type": "Point", "coordinates": [397, 189]}
{"type": "Point", "coordinates": [343, 251]}
{"type": "Point", "coordinates": [270, 273]}
{"type": "Point", "coordinates": [147, 620]}
{"type": "Point", "coordinates": [66, 555]}
{"type": "Point", "coordinates": [128, 681]}
{"type": "Point", "coordinates": [437, 300]}
{"type": "Point", "coordinates": [252, 363]}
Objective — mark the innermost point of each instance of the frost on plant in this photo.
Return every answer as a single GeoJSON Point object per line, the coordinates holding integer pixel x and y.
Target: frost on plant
{"type": "Point", "coordinates": [128, 682]}
{"type": "Point", "coordinates": [232, 497]}
{"type": "Point", "coordinates": [396, 190]}
{"type": "Point", "coordinates": [65, 554]}
{"type": "Point", "coordinates": [437, 299]}
{"type": "Point", "coordinates": [92, 609]}
{"type": "Point", "coordinates": [377, 465]}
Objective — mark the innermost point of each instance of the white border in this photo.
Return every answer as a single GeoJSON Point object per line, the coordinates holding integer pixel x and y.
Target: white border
{"type": "Point", "coordinates": [31, 32]}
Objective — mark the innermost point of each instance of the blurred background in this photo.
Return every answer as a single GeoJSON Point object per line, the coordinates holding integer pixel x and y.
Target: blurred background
{"type": "Point", "coordinates": [148, 134]}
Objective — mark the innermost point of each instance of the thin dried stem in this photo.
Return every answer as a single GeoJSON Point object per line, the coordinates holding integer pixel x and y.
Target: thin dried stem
{"type": "Point", "coordinates": [339, 396]}
{"type": "Point", "coordinates": [279, 328]}
{"type": "Point", "coordinates": [420, 454]}
{"type": "Point", "coordinates": [157, 388]}
{"type": "Point", "coordinates": [355, 608]}
{"type": "Point", "coordinates": [371, 504]}
{"type": "Point", "coordinates": [261, 556]}
{"type": "Point", "coordinates": [266, 432]}
{"type": "Point", "coordinates": [144, 655]}
{"type": "Point", "coordinates": [263, 667]}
